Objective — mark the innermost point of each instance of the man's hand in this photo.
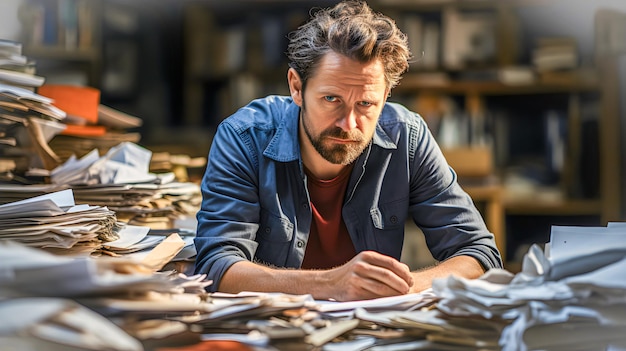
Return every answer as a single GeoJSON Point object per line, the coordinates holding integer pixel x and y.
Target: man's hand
{"type": "Point", "coordinates": [368, 275]}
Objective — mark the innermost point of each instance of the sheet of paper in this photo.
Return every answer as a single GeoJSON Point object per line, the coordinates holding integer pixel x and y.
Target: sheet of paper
{"type": "Point", "coordinates": [63, 198]}
{"type": "Point", "coordinates": [72, 171]}
{"type": "Point", "coordinates": [383, 302]}
{"type": "Point", "coordinates": [164, 252]}
{"type": "Point", "coordinates": [129, 235]}
{"type": "Point", "coordinates": [22, 93]}
{"type": "Point", "coordinates": [569, 241]}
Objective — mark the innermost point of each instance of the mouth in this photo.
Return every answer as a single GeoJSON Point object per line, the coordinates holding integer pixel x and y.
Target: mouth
{"type": "Point", "coordinates": [343, 141]}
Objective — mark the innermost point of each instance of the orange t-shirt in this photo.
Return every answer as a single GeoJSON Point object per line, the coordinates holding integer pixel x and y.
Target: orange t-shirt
{"type": "Point", "coordinates": [329, 243]}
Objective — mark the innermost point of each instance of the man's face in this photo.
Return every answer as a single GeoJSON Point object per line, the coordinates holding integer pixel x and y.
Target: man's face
{"type": "Point", "coordinates": [341, 106]}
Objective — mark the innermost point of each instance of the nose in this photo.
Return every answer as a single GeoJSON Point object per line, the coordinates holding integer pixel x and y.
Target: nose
{"type": "Point", "coordinates": [348, 121]}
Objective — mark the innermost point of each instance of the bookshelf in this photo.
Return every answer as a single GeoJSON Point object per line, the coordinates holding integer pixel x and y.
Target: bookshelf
{"type": "Point", "coordinates": [582, 89]}
{"type": "Point", "coordinates": [63, 37]}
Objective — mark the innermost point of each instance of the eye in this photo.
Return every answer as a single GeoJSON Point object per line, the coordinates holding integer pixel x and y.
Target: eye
{"type": "Point", "coordinates": [365, 103]}
{"type": "Point", "coordinates": [330, 98]}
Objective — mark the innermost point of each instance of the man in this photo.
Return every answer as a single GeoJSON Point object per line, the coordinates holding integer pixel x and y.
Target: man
{"type": "Point", "coordinates": [309, 194]}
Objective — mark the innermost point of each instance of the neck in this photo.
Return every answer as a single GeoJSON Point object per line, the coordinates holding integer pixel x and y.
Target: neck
{"type": "Point", "coordinates": [322, 170]}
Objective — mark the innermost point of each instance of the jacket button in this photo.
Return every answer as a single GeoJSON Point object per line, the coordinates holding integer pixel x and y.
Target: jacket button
{"type": "Point", "coordinates": [267, 230]}
{"type": "Point", "coordinates": [300, 244]}
{"type": "Point", "coordinates": [305, 206]}
{"type": "Point", "coordinates": [393, 219]}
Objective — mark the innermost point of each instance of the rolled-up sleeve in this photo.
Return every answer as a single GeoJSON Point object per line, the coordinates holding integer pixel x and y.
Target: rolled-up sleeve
{"type": "Point", "coordinates": [229, 215]}
{"type": "Point", "coordinates": [451, 223]}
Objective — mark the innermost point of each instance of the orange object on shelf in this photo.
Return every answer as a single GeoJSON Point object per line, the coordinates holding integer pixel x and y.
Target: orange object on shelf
{"type": "Point", "coordinates": [77, 101]}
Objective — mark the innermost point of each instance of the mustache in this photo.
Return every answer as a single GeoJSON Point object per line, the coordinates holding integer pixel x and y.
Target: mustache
{"type": "Point", "coordinates": [339, 133]}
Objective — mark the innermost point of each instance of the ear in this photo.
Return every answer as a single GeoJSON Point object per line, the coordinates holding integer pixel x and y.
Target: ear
{"type": "Point", "coordinates": [295, 86]}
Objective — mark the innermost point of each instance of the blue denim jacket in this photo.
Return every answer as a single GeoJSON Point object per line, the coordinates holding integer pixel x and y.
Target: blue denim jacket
{"type": "Point", "coordinates": [256, 204]}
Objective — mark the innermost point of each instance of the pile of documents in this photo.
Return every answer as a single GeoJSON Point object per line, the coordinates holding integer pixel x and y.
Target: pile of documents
{"type": "Point", "coordinates": [28, 121]}
{"type": "Point", "coordinates": [42, 297]}
{"type": "Point", "coordinates": [55, 223]}
{"type": "Point", "coordinates": [15, 68]}
{"type": "Point", "coordinates": [150, 305]}
{"type": "Point", "coordinates": [59, 324]}
{"type": "Point", "coordinates": [572, 296]}
{"type": "Point", "coordinates": [121, 180]}
{"type": "Point", "coordinates": [38, 131]}
{"type": "Point", "coordinates": [29, 272]}
{"type": "Point", "coordinates": [90, 124]}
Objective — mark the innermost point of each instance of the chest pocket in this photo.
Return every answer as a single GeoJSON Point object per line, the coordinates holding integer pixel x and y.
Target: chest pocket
{"type": "Point", "coordinates": [389, 223]}
{"type": "Point", "coordinates": [390, 215]}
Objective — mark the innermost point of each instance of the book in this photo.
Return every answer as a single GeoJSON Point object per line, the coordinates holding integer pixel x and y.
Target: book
{"type": "Point", "coordinates": [78, 101]}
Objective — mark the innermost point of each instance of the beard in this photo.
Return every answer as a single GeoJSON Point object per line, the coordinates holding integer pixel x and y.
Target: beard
{"type": "Point", "coordinates": [343, 154]}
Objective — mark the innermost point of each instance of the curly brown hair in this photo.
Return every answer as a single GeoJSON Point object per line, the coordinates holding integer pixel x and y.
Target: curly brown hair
{"type": "Point", "coordinates": [350, 28]}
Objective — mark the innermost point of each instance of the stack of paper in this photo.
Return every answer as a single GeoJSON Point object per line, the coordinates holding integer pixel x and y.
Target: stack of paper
{"type": "Point", "coordinates": [152, 205]}
{"type": "Point", "coordinates": [121, 180]}
{"type": "Point", "coordinates": [58, 324]}
{"type": "Point", "coordinates": [125, 163]}
{"type": "Point", "coordinates": [138, 242]}
{"type": "Point", "coordinates": [179, 164]}
{"type": "Point", "coordinates": [53, 222]}
{"type": "Point", "coordinates": [28, 121]}
{"type": "Point", "coordinates": [259, 319]}
{"type": "Point", "coordinates": [32, 283]}
{"type": "Point", "coordinates": [15, 68]}
{"type": "Point", "coordinates": [572, 297]}
{"type": "Point", "coordinates": [18, 192]}
{"type": "Point", "coordinates": [33, 272]}
{"type": "Point", "coordinates": [41, 130]}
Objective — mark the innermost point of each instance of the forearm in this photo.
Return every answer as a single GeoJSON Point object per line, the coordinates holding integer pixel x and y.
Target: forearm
{"type": "Point", "coordinates": [248, 276]}
{"type": "Point", "coordinates": [368, 275]}
{"type": "Point", "coordinates": [460, 266]}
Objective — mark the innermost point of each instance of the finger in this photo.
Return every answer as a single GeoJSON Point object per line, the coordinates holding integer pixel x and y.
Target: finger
{"type": "Point", "coordinates": [366, 288]}
{"type": "Point", "coordinates": [398, 268]}
{"type": "Point", "coordinates": [381, 280]}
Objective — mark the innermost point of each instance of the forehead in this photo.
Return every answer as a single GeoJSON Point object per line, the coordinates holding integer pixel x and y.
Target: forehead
{"type": "Point", "coordinates": [338, 70]}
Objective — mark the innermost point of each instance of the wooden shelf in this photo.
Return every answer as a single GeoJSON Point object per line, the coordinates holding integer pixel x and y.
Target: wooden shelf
{"type": "Point", "coordinates": [62, 53]}
{"type": "Point", "coordinates": [412, 83]}
{"type": "Point", "coordinates": [436, 5]}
